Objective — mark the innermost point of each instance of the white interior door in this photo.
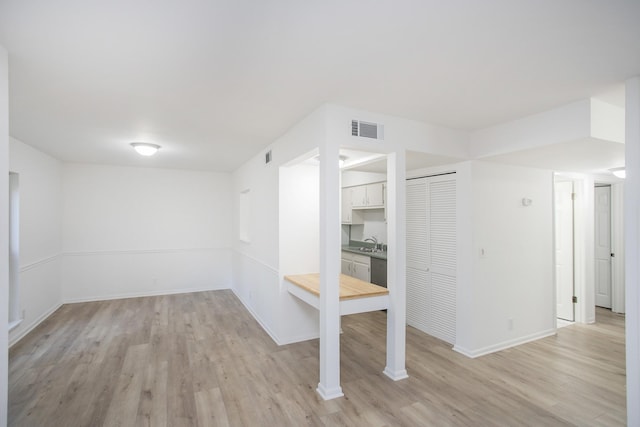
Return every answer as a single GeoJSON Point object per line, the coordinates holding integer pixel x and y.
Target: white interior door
{"type": "Point", "coordinates": [603, 246]}
{"type": "Point", "coordinates": [564, 249]}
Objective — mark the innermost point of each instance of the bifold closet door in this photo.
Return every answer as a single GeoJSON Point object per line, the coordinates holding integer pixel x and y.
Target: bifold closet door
{"type": "Point", "coordinates": [431, 256]}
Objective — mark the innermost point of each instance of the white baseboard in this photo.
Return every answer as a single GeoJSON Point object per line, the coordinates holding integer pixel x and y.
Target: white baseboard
{"type": "Point", "coordinates": [262, 324]}
{"type": "Point", "coordinates": [395, 375]}
{"type": "Point", "coordinates": [301, 338]}
{"type": "Point", "coordinates": [328, 394]}
{"type": "Point", "coordinates": [504, 345]}
{"type": "Point", "coordinates": [14, 340]}
{"type": "Point", "coordinates": [146, 294]}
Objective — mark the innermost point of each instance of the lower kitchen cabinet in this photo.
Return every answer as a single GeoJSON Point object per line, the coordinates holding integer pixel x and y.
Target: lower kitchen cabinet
{"type": "Point", "coordinates": [356, 265]}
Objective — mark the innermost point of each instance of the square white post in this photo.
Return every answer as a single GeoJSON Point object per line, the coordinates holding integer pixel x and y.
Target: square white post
{"type": "Point", "coordinates": [4, 234]}
{"type": "Point", "coordinates": [396, 266]}
{"type": "Point", "coordinates": [329, 386]}
{"type": "Point", "coordinates": [632, 247]}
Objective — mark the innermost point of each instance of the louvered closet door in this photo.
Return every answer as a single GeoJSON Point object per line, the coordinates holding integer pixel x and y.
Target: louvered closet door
{"type": "Point", "coordinates": [431, 256]}
{"type": "Point", "coordinates": [418, 277]}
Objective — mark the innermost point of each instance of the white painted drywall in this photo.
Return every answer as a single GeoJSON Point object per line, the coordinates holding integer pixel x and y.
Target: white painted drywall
{"type": "Point", "coordinates": [632, 247]}
{"type": "Point", "coordinates": [567, 123]}
{"type": "Point", "coordinates": [257, 276]}
{"type": "Point", "coordinates": [607, 121]}
{"type": "Point", "coordinates": [40, 234]}
{"type": "Point", "coordinates": [4, 234]}
{"type": "Point", "coordinates": [351, 178]}
{"type": "Point", "coordinates": [299, 219]}
{"type": "Point", "coordinates": [398, 133]}
{"type": "Point", "coordinates": [512, 254]}
{"type": "Point", "coordinates": [299, 226]}
{"type": "Point", "coordinates": [142, 231]}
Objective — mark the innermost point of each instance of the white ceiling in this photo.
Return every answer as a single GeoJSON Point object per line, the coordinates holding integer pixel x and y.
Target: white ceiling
{"type": "Point", "coordinates": [214, 81]}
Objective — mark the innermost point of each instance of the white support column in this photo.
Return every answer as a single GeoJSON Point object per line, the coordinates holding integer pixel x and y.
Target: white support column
{"type": "Point", "coordinates": [396, 266]}
{"type": "Point", "coordinates": [632, 247]}
{"type": "Point", "coordinates": [329, 386]}
{"type": "Point", "coordinates": [4, 235]}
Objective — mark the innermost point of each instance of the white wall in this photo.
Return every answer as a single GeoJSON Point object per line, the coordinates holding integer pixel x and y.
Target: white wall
{"type": "Point", "coordinates": [607, 121]}
{"type": "Point", "coordinates": [257, 279]}
{"type": "Point", "coordinates": [398, 133]}
{"type": "Point", "coordinates": [299, 226]}
{"type": "Point", "coordinates": [4, 233]}
{"type": "Point", "coordinates": [512, 284]}
{"type": "Point", "coordinates": [141, 231]}
{"type": "Point", "coordinates": [350, 178]}
{"type": "Point", "coordinates": [567, 123]}
{"type": "Point", "coordinates": [40, 234]}
{"type": "Point", "coordinates": [632, 247]}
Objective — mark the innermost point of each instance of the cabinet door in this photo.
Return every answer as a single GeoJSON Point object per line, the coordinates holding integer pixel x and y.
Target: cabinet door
{"type": "Point", "coordinates": [359, 196]}
{"type": "Point", "coordinates": [345, 266]}
{"type": "Point", "coordinates": [346, 206]}
{"type": "Point", "coordinates": [375, 194]}
{"type": "Point", "coordinates": [361, 271]}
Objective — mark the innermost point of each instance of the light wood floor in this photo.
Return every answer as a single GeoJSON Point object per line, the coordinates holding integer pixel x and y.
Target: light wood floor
{"type": "Point", "coordinates": [201, 359]}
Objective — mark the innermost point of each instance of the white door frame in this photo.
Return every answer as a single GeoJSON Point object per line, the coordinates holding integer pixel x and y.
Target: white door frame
{"type": "Point", "coordinates": [603, 248]}
{"type": "Point", "coordinates": [563, 231]}
{"type": "Point", "coordinates": [617, 247]}
{"type": "Point", "coordinates": [584, 247]}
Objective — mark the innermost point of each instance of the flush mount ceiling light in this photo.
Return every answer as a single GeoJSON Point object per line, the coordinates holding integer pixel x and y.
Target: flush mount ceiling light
{"type": "Point", "coordinates": [619, 172]}
{"type": "Point", "coordinates": [145, 148]}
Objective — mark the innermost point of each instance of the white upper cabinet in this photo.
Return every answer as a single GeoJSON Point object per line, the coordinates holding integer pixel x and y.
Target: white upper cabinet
{"type": "Point", "coordinates": [367, 196]}
{"type": "Point", "coordinates": [375, 194]}
{"type": "Point", "coordinates": [348, 215]}
{"type": "Point", "coordinates": [359, 196]}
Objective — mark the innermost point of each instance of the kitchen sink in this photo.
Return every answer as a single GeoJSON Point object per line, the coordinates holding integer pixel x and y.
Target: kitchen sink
{"type": "Point", "coordinates": [366, 249]}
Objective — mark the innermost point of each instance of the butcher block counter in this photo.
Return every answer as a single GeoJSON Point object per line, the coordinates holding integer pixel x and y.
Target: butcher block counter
{"type": "Point", "coordinates": [356, 296]}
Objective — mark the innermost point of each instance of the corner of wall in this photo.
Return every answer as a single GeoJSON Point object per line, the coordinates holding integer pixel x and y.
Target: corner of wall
{"type": "Point", "coordinates": [4, 234]}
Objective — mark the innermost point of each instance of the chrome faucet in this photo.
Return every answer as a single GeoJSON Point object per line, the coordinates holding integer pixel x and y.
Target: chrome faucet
{"type": "Point", "coordinates": [373, 240]}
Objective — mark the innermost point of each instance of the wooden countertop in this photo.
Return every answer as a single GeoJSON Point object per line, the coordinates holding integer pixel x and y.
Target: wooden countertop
{"type": "Point", "coordinates": [350, 287]}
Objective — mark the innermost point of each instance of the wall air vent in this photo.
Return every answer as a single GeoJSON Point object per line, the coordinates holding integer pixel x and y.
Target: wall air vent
{"type": "Point", "coordinates": [267, 157]}
{"type": "Point", "coordinates": [367, 129]}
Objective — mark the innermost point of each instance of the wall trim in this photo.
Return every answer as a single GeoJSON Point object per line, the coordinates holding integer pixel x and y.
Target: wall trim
{"type": "Point", "coordinates": [256, 260]}
{"type": "Point", "coordinates": [257, 318]}
{"type": "Point", "coordinates": [505, 344]}
{"type": "Point", "coordinates": [301, 338]}
{"type": "Point", "coordinates": [147, 294]}
{"type": "Point", "coordinates": [144, 251]}
{"type": "Point", "coordinates": [39, 263]}
{"type": "Point", "coordinates": [15, 339]}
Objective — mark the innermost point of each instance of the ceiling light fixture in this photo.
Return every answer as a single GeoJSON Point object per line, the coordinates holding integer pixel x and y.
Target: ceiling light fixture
{"type": "Point", "coordinates": [145, 148]}
{"type": "Point", "coordinates": [619, 172]}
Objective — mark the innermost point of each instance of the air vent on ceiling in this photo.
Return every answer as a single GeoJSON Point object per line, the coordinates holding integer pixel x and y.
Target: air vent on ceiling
{"type": "Point", "coordinates": [367, 129]}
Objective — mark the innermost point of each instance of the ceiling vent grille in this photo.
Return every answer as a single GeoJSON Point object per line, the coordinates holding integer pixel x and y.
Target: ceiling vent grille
{"type": "Point", "coordinates": [367, 129]}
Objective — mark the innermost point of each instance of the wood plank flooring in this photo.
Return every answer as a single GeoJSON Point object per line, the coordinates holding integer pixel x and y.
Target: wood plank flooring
{"type": "Point", "coordinates": [201, 360]}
